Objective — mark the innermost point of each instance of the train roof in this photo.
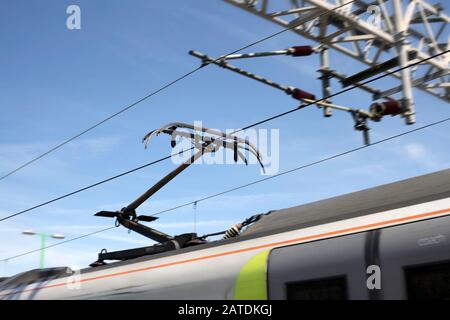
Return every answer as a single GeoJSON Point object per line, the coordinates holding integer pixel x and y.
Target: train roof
{"type": "Point", "coordinates": [390, 196]}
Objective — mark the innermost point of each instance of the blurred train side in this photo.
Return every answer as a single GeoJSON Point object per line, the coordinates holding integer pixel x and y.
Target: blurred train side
{"type": "Point", "coordinates": [322, 250]}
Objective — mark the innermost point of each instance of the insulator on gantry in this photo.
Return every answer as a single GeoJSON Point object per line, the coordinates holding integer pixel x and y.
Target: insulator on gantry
{"type": "Point", "coordinates": [380, 109]}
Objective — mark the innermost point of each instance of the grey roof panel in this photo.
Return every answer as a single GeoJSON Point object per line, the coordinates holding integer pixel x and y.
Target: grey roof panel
{"type": "Point", "coordinates": [407, 192]}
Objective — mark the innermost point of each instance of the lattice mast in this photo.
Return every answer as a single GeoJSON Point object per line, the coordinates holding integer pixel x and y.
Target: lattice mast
{"type": "Point", "coordinates": [383, 35]}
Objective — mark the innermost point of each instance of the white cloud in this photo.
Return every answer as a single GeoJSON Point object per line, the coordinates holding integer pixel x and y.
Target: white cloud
{"type": "Point", "coordinates": [13, 155]}
{"type": "Point", "coordinates": [415, 151]}
{"type": "Point", "coordinates": [222, 23]}
{"type": "Point", "coordinates": [422, 155]}
{"type": "Point", "coordinates": [95, 145]}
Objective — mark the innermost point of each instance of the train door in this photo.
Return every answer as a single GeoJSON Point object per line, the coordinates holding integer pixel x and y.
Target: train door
{"type": "Point", "coordinates": [415, 260]}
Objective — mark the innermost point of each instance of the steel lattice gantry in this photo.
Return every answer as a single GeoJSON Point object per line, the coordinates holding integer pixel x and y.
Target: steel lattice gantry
{"type": "Point", "coordinates": [374, 33]}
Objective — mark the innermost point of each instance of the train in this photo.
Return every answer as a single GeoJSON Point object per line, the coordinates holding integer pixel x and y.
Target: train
{"type": "Point", "coordinates": [390, 242]}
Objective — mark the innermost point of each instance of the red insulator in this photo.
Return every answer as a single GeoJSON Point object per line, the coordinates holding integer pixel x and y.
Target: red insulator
{"type": "Point", "coordinates": [380, 109]}
{"type": "Point", "coordinates": [300, 94]}
{"type": "Point", "coordinates": [392, 107]}
{"type": "Point", "coordinates": [299, 51]}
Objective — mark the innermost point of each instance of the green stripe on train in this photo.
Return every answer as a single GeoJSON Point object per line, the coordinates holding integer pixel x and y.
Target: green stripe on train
{"type": "Point", "coordinates": [251, 283]}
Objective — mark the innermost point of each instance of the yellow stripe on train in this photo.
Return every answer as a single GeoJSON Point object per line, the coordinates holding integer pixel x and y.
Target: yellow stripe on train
{"type": "Point", "coordinates": [251, 283]}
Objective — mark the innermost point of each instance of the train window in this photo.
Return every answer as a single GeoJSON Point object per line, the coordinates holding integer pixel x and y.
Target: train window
{"type": "Point", "coordinates": [334, 288]}
{"type": "Point", "coordinates": [428, 282]}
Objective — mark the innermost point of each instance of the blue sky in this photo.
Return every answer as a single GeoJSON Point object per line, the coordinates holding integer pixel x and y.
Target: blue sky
{"type": "Point", "coordinates": [54, 82]}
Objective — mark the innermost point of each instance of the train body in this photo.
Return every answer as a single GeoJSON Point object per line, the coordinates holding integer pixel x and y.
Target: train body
{"type": "Point", "coordinates": [387, 242]}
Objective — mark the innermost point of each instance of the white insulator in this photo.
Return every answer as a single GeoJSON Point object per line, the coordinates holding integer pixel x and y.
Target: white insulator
{"type": "Point", "coordinates": [234, 231]}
